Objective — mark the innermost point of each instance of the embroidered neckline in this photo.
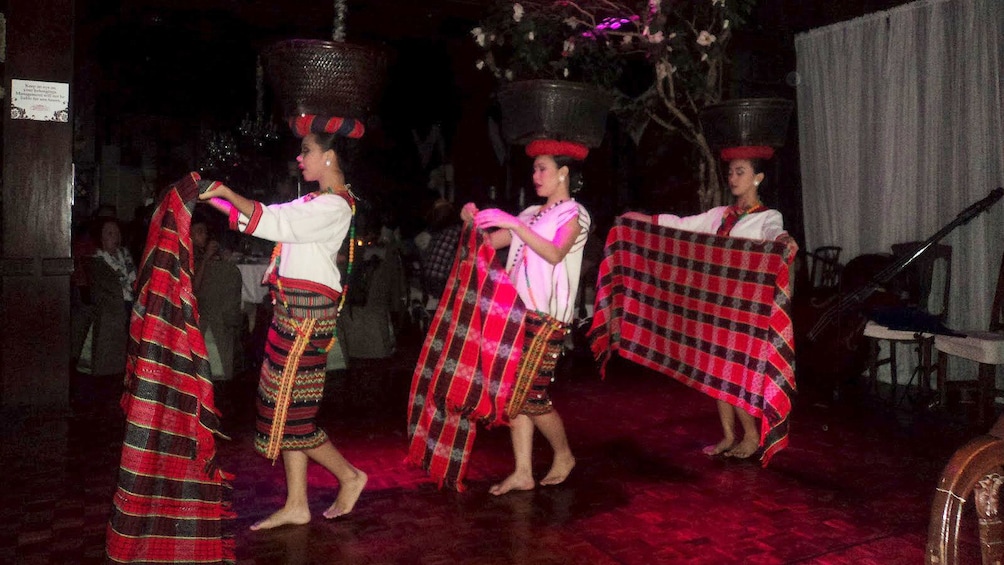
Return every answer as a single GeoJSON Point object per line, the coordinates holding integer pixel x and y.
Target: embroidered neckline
{"type": "Point", "coordinates": [758, 207]}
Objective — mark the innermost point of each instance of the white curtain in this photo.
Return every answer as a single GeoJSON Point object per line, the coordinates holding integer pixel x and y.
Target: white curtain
{"type": "Point", "coordinates": [900, 128]}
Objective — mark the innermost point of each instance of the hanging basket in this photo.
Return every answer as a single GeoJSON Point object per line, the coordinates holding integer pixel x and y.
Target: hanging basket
{"type": "Point", "coordinates": [747, 121]}
{"type": "Point", "coordinates": [324, 77]}
{"type": "Point", "coordinates": [553, 109]}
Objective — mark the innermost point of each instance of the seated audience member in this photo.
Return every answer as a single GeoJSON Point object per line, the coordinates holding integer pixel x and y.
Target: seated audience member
{"type": "Point", "coordinates": [217, 286]}
{"type": "Point", "coordinates": [112, 278]}
{"type": "Point", "coordinates": [375, 299]}
{"type": "Point", "coordinates": [437, 256]}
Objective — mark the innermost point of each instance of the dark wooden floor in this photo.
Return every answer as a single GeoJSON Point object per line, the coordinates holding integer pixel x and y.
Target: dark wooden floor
{"type": "Point", "coordinates": [854, 486]}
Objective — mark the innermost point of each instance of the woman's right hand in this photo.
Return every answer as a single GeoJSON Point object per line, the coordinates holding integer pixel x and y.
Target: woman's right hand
{"type": "Point", "coordinates": [468, 212]}
{"type": "Point", "coordinates": [637, 216]}
{"type": "Point", "coordinates": [219, 196]}
{"type": "Point", "coordinates": [218, 190]}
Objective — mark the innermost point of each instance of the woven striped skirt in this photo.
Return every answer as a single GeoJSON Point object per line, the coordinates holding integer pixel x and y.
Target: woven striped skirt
{"type": "Point", "coordinates": [542, 346]}
{"type": "Point", "coordinates": [291, 383]}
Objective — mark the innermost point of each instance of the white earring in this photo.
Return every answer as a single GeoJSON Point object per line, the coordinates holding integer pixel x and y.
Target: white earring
{"type": "Point", "coordinates": [756, 183]}
{"type": "Point", "coordinates": [561, 178]}
{"type": "Point", "coordinates": [327, 163]}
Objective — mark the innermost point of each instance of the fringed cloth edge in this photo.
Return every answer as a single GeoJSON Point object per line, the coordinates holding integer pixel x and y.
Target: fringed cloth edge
{"type": "Point", "coordinates": [173, 502]}
{"type": "Point", "coordinates": [712, 312]}
{"type": "Point", "coordinates": [467, 367]}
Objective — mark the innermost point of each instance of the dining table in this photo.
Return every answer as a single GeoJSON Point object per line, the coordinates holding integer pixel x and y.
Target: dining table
{"type": "Point", "coordinates": [253, 291]}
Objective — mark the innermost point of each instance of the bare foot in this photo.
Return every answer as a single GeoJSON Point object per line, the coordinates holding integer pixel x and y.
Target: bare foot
{"type": "Point", "coordinates": [283, 517]}
{"type": "Point", "coordinates": [560, 468]}
{"type": "Point", "coordinates": [719, 448]}
{"type": "Point", "coordinates": [745, 448]}
{"type": "Point", "coordinates": [348, 494]}
{"type": "Point", "coordinates": [515, 481]}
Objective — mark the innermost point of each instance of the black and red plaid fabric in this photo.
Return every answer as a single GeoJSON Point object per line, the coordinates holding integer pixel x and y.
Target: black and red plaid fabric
{"type": "Point", "coordinates": [172, 504]}
{"type": "Point", "coordinates": [712, 312]}
{"type": "Point", "coordinates": [467, 368]}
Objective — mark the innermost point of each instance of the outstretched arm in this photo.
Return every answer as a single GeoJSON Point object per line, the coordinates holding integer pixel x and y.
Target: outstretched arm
{"type": "Point", "coordinates": [223, 198]}
{"type": "Point", "coordinates": [638, 216]}
{"type": "Point", "coordinates": [552, 251]}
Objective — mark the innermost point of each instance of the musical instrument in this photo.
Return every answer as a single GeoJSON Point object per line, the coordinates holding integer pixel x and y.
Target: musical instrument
{"type": "Point", "coordinates": [832, 347]}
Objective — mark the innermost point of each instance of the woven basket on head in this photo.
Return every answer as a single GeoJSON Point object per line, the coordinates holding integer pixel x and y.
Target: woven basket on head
{"type": "Point", "coordinates": [747, 121]}
{"type": "Point", "coordinates": [553, 109]}
{"type": "Point", "coordinates": [324, 77]}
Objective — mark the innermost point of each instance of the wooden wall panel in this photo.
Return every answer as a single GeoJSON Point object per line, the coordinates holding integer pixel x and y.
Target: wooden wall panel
{"type": "Point", "coordinates": [37, 192]}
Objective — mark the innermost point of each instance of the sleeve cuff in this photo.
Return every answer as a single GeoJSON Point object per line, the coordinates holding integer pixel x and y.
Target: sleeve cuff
{"type": "Point", "coordinates": [233, 218]}
{"type": "Point", "coordinates": [248, 226]}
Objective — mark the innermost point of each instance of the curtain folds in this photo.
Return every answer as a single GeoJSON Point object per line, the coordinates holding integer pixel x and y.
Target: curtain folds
{"type": "Point", "coordinates": [900, 128]}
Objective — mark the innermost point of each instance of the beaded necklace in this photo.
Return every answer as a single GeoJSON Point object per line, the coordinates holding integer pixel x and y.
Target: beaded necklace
{"type": "Point", "coordinates": [521, 252]}
{"type": "Point", "coordinates": [734, 214]}
{"type": "Point", "coordinates": [277, 256]}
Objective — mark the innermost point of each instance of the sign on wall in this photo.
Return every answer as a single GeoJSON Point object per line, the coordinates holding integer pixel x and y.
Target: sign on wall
{"type": "Point", "coordinates": [39, 100]}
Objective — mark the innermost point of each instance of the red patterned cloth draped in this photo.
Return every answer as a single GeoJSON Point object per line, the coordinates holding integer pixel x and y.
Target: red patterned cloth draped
{"type": "Point", "coordinates": [172, 504]}
{"type": "Point", "coordinates": [712, 312]}
{"type": "Point", "coordinates": [467, 368]}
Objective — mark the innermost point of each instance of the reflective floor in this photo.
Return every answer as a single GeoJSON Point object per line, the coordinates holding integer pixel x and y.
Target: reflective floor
{"type": "Point", "coordinates": [854, 486]}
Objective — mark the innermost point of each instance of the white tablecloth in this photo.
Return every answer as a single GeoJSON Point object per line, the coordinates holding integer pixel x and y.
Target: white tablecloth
{"type": "Point", "coordinates": [251, 288]}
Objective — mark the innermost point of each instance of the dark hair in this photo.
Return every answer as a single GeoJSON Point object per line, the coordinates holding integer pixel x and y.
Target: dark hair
{"type": "Point", "coordinates": [98, 225]}
{"type": "Point", "coordinates": [758, 165]}
{"type": "Point", "coordinates": [345, 148]}
{"type": "Point", "coordinates": [574, 171]}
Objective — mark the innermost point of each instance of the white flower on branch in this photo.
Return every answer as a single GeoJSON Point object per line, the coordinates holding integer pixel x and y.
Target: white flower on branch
{"type": "Point", "coordinates": [705, 39]}
{"type": "Point", "coordinates": [725, 24]}
{"type": "Point", "coordinates": [567, 48]}
{"type": "Point", "coordinates": [480, 64]}
{"type": "Point", "coordinates": [663, 69]}
{"type": "Point", "coordinates": [718, 3]}
{"type": "Point", "coordinates": [565, 72]}
{"type": "Point", "coordinates": [656, 38]}
{"type": "Point", "coordinates": [479, 36]}
{"type": "Point", "coordinates": [530, 36]}
{"type": "Point", "coordinates": [508, 75]}
{"type": "Point", "coordinates": [517, 12]}
{"type": "Point", "coordinates": [654, 5]}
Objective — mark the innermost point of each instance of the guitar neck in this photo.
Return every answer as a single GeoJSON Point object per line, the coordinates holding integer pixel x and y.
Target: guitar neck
{"type": "Point", "coordinates": [883, 277]}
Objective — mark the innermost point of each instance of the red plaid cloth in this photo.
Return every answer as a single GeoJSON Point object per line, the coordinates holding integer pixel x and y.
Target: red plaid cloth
{"type": "Point", "coordinates": [712, 312]}
{"type": "Point", "coordinates": [173, 503]}
{"type": "Point", "coordinates": [467, 368]}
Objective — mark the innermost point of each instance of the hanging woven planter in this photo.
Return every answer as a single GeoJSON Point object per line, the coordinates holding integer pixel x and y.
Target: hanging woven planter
{"type": "Point", "coordinates": [324, 77]}
{"type": "Point", "coordinates": [330, 78]}
{"type": "Point", "coordinates": [553, 109]}
{"type": "Point", "coordinates": [747, 121]}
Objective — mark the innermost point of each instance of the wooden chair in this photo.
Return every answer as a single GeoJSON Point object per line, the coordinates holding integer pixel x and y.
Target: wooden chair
{"type": "Point", "coordinates": [984, 347]}
{"type": "Point", "coordinates": [972, 475]}
{"type": "Point", "coordinates": [916, 283]}
{"type": "Point", "coordinates": [824, 269]}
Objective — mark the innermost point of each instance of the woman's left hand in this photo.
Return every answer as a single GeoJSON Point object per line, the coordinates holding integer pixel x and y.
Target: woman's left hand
{"type": "Point", "coordinates": [495, 218]}
{"type": "Point", "coordinates": [791, 248]}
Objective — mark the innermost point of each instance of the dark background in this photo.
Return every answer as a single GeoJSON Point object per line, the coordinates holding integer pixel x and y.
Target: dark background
{"type": "Point", "coordinates": [157, 79]}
